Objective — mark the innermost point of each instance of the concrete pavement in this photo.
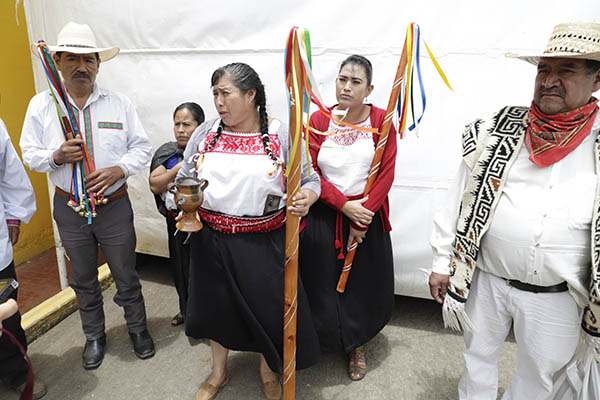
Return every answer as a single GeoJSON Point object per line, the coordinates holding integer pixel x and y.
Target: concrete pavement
{"type": "Point", "coordinates": [412, 358]}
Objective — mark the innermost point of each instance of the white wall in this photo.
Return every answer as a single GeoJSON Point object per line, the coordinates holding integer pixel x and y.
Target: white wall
{"type": "Point", "coordinates": [170, 49]}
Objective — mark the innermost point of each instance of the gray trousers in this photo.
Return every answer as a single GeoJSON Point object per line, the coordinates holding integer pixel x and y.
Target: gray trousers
{"type": "Point", "coordinates": [113, 231]}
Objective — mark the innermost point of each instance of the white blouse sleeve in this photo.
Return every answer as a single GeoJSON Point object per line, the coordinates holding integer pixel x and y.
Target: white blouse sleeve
{"type": "Point", "coordinates": [310, 180]}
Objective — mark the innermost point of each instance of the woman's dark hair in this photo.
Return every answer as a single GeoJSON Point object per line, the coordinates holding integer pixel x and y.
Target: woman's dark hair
{"type": "Point", "coordinates": [245, 78]}
{"type": "Point", "coordinates": [195, 109]}
{"type": "Point", "coordinates": [363, 62]}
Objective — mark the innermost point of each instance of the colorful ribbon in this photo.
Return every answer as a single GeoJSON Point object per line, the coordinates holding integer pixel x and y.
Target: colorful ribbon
{"type": "Point", "coordinates": [406, 103]}
{"type": "Point", "coordinates": [406, 100]}
{"type": "Point", "coordinates": [80, 200]}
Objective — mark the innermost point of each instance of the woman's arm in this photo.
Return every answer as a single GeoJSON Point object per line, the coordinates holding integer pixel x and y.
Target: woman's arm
{"type": "Point", "coordinates": [161, 177]}
{"type": "Point", "coordinates": [309, 181]}
{"type": "Point", "coordinates": [382, 185]}
{"type": "Point", "coordinates": [7, 310]}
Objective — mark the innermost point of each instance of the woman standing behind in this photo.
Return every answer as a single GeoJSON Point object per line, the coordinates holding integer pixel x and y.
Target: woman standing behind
{"type": "Point", "coordinates": [237, 259]}
{"type": "Point", "coordinates": [342, 157]}
{"type": "Point", "coordinates": [163, 169]}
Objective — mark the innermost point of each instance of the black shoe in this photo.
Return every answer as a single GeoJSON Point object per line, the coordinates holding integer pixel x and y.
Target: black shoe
{"type": "Point", "coordinates": [93, 352]}
{"type": "Point", "coordinates": [143, 346]}
{"type": "Point", "coordinates": [177, 320]}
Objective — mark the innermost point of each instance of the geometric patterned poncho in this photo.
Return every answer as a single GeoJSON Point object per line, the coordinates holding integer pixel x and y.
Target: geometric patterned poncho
{"type": "Point", "coordinates": [490, 148]}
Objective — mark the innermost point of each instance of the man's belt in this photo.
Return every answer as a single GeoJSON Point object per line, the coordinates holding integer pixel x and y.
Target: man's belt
{"type": "Point", "coordinates": [561, 287]}
{"type": "Point", "coordinates": [116, 195]}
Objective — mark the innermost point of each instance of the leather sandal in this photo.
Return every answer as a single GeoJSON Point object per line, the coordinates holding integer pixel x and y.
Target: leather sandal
{"type": "Point", "coordinates": [177, 320]}
{"type": "Point", "coordinates": [357, 364]}
{"type": "Point", "coordinates": [272, 390]}
{"type": "Point", "coordinates": [209, 391]}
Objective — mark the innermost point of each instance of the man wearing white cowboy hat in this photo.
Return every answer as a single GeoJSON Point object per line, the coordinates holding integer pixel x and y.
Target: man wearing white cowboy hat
{"type": "Point", "coordinates": [519, 237]}
{"type": "Point", "coordinates": [118, 147]}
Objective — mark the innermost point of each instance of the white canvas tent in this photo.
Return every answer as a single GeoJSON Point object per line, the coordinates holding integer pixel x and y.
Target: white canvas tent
{"type": "Point", "coordinates": [170, 49]}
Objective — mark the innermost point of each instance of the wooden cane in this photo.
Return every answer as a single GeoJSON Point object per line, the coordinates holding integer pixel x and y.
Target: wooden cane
{"type": "Point", "coordinates": [376, 164]}
{"type": "Point", "coordinates": [292, 225]}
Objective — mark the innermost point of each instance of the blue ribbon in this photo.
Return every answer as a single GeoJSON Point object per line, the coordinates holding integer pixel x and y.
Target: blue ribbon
{"type": "Point", "coordinates": [76, 192]}
{"type": "Point", "coordinates": [423, 97]}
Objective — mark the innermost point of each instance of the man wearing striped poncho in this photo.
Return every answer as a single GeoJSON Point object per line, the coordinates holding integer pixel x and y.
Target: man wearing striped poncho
{"type": "Point", "coordinates": [520, 234]}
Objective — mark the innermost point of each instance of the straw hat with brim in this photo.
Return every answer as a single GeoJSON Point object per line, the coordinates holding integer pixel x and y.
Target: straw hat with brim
{"type": "Point", "coordinates": [79, 39]}
{"type": "Point", "coordinates": [580, 40]}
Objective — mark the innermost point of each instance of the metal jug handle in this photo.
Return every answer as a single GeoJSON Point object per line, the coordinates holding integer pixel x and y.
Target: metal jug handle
{"type": "Point", "coordinates": [203, 184]}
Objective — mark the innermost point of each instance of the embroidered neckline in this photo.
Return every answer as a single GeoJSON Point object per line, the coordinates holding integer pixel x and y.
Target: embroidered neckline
{"type": "Point", "coordinates": [234, 133]}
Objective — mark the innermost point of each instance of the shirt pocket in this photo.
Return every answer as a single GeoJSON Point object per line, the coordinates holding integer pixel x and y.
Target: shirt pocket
{"type": "Point", "coordinates": [113, 137]}
{"type": "Point", "coordinates": [581, 201]}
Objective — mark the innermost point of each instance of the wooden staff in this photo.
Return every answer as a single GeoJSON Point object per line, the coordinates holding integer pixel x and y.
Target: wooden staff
{"type": "Point", "coordinates": [292, 225]}
{"type": "Point", "coordinates": [375, 165]}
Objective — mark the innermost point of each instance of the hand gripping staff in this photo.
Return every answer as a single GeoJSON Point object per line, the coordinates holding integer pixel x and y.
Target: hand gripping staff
{"type": "Point", "coordinates": [400, 83]}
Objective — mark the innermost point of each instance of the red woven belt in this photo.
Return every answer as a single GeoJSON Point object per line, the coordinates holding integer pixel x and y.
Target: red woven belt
{"type": "Point", "coordinates": [231, 224]}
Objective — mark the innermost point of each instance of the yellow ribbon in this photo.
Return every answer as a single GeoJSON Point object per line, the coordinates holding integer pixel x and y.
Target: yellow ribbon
{"type": "Point", "coordinates": [437, 66]}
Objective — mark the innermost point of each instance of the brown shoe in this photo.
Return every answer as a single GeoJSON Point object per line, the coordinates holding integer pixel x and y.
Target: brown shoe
{"type": "Point", "coordinates": [272, 390]}
{"type": "Point", "coordinates": [357, 364]}
{"type": "Point", "coordinates": [39, 389]}
{"type": "Point", "coordinates": [208, 391]}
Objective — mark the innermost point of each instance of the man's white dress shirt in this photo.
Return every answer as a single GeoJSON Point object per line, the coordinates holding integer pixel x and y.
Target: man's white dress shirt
{"type": "Point", "coordinates": [540, 231]}
{"type": "Point", "coordinates": [17, 199]}
{"type": "Point", "coordinates": [118, 137]}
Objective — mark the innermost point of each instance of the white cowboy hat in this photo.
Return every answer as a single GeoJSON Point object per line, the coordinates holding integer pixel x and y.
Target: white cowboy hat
{"type": "Point", "coordinates": [79, 39]}
{"type": "Point", "coordinates": [571, 40]}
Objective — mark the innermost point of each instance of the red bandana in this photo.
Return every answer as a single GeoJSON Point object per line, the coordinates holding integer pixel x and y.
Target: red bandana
{"type": "Point", "coordinates": [549, 138]}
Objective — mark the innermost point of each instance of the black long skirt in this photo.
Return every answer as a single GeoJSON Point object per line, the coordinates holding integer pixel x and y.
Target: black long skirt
{"type": "Point", "coordinates": [236, 296]}
{"type": "Point", "coordinates": [179, 250]}
{"type": "Point", "coordinates": [350, 319]}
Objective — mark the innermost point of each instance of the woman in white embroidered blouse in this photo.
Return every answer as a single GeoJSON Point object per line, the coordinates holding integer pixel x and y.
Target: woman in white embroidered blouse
{"type": "Point", "coordinates": [342, 157]}
{"type": "Point", "coordinates": [237, 260]}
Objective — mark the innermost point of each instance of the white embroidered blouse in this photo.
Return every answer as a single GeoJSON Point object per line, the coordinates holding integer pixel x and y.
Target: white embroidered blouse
{"type": "Point", "coordinates": [239, 172]}
{"type": "Point", "coordinates": [345, 157]}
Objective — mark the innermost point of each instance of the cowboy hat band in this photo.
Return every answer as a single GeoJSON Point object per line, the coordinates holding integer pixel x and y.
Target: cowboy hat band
{"type": "Point", "coordinates": [79, 39]}
{"type": "Point", "coordinates": [580, 40]}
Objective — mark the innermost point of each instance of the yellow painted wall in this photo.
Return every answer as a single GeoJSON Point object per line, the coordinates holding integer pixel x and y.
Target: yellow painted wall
{"type": "Point", "coordinates": [16, 89]}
